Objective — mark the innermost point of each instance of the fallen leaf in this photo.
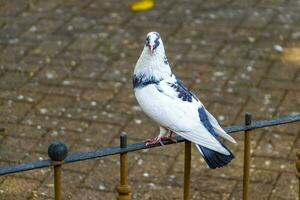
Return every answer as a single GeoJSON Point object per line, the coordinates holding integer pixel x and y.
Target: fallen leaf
{"type": "Point", "coordinates": [142, 5]}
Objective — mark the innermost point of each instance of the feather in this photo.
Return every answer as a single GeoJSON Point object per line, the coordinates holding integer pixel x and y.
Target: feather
{"type": "Point", "coordinates": [215, 159]}
{"type": "Point", "coordinates": [218, 128]}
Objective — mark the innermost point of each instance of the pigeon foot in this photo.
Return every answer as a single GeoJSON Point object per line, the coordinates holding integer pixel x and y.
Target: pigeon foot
{"type": "Point", "coordinates": [160, 140]}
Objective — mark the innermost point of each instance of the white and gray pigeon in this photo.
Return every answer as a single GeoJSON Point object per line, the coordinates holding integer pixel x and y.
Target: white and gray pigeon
{"type": "Point", "coordinates": [168, 102]}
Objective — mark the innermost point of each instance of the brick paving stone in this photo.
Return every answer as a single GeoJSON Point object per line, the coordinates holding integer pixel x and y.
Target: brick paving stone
{"type": "Point", "coordinates": [23, 66]}
{"type": "Point", "coordinates": [287, 106]}
{"type": "Point", "coordinates": [283, 73]}
{"type": "Point", "coordinates": [70, 181]}
{"type": "Point", "coordinates": [16, 155]}
{"type": "Point", "coordinates": [54, 105]}
{"type": "Point", "coordinates": [24, 131]}
{"type": "Point", "coordinates": [90, 69]}
{"type": "Point", "coordinates": [14, 111]}
{"type": "Point", "coordinates": [14, 52]}
{"type": "Point", "coordinates": [295, 149]}
{"type": "Point", "coordinates": [81, 167]}
{"type": "Point", "coordinates": [125, 96]}
{"type": "Point", "coordinates": [257, 191]}
{"type": "Point", "coordinates": [65, 74]}
{"type": "Point", "coordinates": [263, 103]}
{"type": "Point", "coordinates": [196, 165]}
{"type": "Point", "coordinates": [99, 135]}
{"type": "Point", "coordinates": [250, 74]}
{"type": "Point", "coordinates": [96, 98]}
{"type": "Point", "coordinates": [141, 127]}
{"type": "Point", "coordinates": [52, 74]}
{"type": "Point", "coordinates": [83, 193]}
{"type": "Point", "coordinates": [27, 97]}
{"type": "Point", "coordinates": [150, 191]}
{"type": "Point", "coordinates": [291, 129]}
{"type": "Point", "coordinates": [286, 187]}
{"type": "Point", "coordinates": [67, 136]}
{"type": "Point", "coordinates": [222, 110]}
{"type": "Point", "coordinates": [285, 85]}
{"type": "Point", "coordinates": [273, 164]}
{"type": "Point", "coordinates": [101, 179]}
{"type": "Point", "coordinates": [17, 188]}
{"type": "Point", "coordinates": [53, 123]}
{"type": "Point", "coordinates": [220, 185]}
{"type": "Point", "coordinates": [52, 47]}
{"type": "Point", "coordinates": [51, 89]}
{"type": "Point", "coordinates": [40, 174]}
{"type": "Point", "coordinates": [273, 143]}
{"type": "Point", "coordinates": [150, 168]}
{"type": "Point", "coordinates": [170, 151]}
{"type": "Point", "coordinates": [12, 80]}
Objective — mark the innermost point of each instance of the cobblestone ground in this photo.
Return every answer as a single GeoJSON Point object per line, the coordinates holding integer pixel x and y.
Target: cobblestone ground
{"type": "Point", "coordinates": [66, 68]}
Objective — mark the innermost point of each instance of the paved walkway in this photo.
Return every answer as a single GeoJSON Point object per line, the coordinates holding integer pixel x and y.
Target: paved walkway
{"type": "Point", "coordinates": [66, 69]}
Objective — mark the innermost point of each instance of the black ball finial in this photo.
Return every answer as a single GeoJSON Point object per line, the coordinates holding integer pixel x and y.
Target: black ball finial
{"type": "Point", "coordinates": [57, 151]}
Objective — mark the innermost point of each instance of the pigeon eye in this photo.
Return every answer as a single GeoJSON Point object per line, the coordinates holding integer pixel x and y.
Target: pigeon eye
{"type": "Point", "coordinates": [147, 41]}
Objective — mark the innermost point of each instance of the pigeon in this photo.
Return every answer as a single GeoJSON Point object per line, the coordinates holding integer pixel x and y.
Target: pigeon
{"type": "Point", "coordinates": [177, 111]}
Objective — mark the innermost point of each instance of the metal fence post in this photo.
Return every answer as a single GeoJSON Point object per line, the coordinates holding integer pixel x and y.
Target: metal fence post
{"type": "Point", "coordinates": [247, 147]}
{"type": "Point", "coordinates": [57, 151]}
{"type": "Point", "coordinates": [187, 169]}
{"type": "Point", "coordinates": [124, 189]}
{"type": "Point", "coordinates": [298, 171]}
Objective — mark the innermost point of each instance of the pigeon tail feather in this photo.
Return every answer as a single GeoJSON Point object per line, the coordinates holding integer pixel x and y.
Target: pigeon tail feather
{"type": "Point", "coordinates": [215, 159]}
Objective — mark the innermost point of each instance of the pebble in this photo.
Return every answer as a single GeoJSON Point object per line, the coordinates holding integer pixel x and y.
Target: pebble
{"type": "Point", "coordinates": [278, 48]}
{"type": "Point", "coordinates": [267, 162]}
{"type": "Point", "coordinates": [219, 74]}
{"type": "Point", "coordinates": [20, 97]}
{"type": "Point", "coordinates": [251, 39]}
{"type": "Point", "coordinates": [30, 99]}
{"type": "Point", "coordinates": [66, 82]}
{"type": "Point", "coordinates": [249, 68]}
{"type": "Point", "coordinates": [138, 121]}
{"type": "Point", "coordinates": [102, 187]}
{"type": "Point", "coordinates": [33, 29]}
{"type": "Point", "coordinates": [43, 110]}
{"type": "Point", "coordinates": [221, 117]}
{"type": "Point", "coordinates": [140, 162]}
{"type": "Point", "coordinates": [49, 75]}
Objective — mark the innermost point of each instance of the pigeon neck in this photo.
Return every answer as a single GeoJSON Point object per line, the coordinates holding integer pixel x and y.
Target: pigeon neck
{"type": "Point", "coordinates": [153, 65]}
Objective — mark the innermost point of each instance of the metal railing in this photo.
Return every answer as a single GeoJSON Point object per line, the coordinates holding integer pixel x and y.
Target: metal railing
{"type": "Point", "coordinates": [58, 151]}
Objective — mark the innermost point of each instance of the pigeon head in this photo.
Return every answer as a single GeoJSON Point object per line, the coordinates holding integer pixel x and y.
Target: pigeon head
{"type": "Point", "coordinates": [153, 62]}
{"type": "Point", "coordinates": [153, 41]}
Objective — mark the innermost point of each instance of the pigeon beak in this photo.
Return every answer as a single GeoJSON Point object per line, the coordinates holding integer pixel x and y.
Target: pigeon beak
{"type": "Point", "coordinates": [151, 48]}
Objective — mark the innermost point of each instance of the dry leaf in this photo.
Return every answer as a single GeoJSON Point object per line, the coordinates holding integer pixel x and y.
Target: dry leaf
{"type": "Point", "coordinates": [142, 5]}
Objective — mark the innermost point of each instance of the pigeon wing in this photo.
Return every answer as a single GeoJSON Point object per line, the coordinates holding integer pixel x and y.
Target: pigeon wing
{"type": "Point", "coordinates": [220, 131]}
{"type": "Point", "coordinates": [180, 114]}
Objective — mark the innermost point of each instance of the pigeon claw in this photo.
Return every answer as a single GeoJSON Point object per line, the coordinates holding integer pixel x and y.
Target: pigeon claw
{"type": "Point", "coordinates": [153, 141]}
{"type": "Point", "coordinates": [160, 140]}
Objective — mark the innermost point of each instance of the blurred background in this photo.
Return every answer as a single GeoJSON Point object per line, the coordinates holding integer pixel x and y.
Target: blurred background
{"type": "Point", "coordinates": [66, 68]}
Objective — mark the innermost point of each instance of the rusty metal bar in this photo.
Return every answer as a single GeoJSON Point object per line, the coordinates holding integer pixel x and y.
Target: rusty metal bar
{"type": "Point", "coordinates": [247, 148]}
{"type": "Point", "coordinates": [298, 171]}
{"type": "Point", "coordinates": [76, 157]}
{"type": "Point", "coordinates": [57, 182]}
{"type": "Point", "coordinates": [57, 151]}
{"type": "Point", "coordinates": [124, 189]}
{"type": "Point", "coordinates": [187, 169]}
